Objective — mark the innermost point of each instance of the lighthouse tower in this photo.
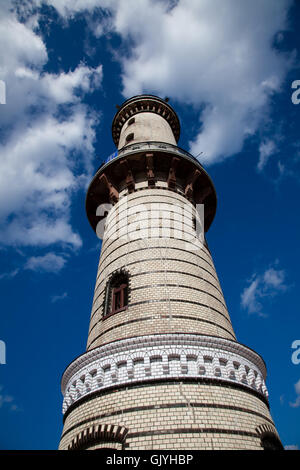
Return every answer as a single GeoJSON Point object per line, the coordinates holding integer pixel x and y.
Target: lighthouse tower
{"type": "Point", "coordinates": [162, 368]}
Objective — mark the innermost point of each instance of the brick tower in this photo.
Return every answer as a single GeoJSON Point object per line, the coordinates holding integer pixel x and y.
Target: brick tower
{"type": "Point", "coordinates": [162, 367]}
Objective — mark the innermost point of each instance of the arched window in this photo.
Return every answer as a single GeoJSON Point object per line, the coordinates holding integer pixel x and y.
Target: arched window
{"type": "Point", "coordinates": [270, 442]}
{"type": "Point", "coordinates": [103, 436]}
{"type": "Point", "coordinates": [131, 121]}
{"type": "Point", "coordinates": [117, 293]}
{"type": "Point", "coordinates": [268, 439]}
{"type": "Point", "coordinates": [130, 137]}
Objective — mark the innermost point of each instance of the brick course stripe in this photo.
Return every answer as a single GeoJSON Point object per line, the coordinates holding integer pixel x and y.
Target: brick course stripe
{"type": "Point", "coordinates": [167, 406]}
{"type": "Point", "coordinates": [107, 246]}
{"type": "Point", "coordinates": [155, 382]}
{"type": "Point", "coordinates": [183, 317]}
{"type": "Point", "coordinates": [162, 271]}
{"type": "Point", "coordinates": [147, 286]}
{"type": "Point", "coordinates": [159, 259]}
{"type": "Point", "coordinates": [171, 227]}
{"type": "Point", "coordinates": [204, 247]}
{"type": "Point", "coordinates": [172, 300]}
{"type": "Point", "coordinates": [192, 431]}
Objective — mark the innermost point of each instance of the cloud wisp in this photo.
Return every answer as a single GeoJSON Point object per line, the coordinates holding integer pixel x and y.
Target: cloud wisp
{"type": "Point", "coordinates": [296, 403]}
{"type": "Point", "coordinates": [58, 298]}
{"type": "Point", "coordinates": [7, 400]}
{"type": "Point", "coordinates": [266, 149]}
{"type": "Point", "coordinates": [262, 287]}
{"type": "Point", "coordinates": [50, 263]}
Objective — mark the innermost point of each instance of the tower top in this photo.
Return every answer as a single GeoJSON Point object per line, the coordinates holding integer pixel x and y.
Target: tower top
{"type": "Point", "coordinates": [141, 104]}
{"type": "Point", "coordinates": [146, 130]}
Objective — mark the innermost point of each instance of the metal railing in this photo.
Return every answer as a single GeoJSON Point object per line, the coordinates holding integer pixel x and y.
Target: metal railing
{"type": "Point", "coordinates": [149, 145]}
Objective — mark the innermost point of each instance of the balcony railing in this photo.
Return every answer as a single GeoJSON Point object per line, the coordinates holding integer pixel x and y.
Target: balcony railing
{"type": "Point", "coordinates": [149, 145]}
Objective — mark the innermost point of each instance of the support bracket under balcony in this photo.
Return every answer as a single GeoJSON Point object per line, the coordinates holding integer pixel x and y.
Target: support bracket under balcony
{"type": "Point", "coordinates": [150, 169]}
{"type": "Point", "coordinates": [113, 192]}
{"type": "Point", "coordinates": [129, 180]}
{"type": "Point", "coordinates": [172, 173]}
{"type": "Point", "coordinates": [189, 188]}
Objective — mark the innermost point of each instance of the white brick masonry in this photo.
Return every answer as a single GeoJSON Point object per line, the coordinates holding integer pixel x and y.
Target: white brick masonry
{"type": "Point", "coordinates": [162, 356]}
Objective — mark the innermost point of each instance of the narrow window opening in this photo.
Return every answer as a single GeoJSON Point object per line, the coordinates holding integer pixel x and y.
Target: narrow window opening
{"type": "Point", "coordinates": [130, 137]}
{"type": "Point", "coordinates": [270, 442]}
{"type": "Point", "coordinates": [116, 296]}
{"type": "Point", "coordinates": [119, 298]}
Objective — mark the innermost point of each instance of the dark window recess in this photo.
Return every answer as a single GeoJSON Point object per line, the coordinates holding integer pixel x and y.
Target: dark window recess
{"type": "Point", "coordinates": [130, 137]}
{"type": "Point", "coordinates": [116, 293]}
{"type": "Point", "coordinates": [119, 298]}
{"type": "Point", "coordinates": [270, 442]}
{"type": "Point", "coordinates": [155, 359]}
{"type": "Point", "coordinates": [131, 121]}
{"type": "Point", "coordinates": [208, 359]}
{"type": "Point", "coordinates": [138, 360]}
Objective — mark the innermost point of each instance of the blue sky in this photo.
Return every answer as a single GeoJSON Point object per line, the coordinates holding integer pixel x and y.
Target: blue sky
{"type": "Point", "coordinates": [228, 69]}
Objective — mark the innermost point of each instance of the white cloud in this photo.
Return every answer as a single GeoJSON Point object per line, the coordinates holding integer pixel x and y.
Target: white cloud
{"type": "Point", "coordinates": [222, 64]}
{"type": "Point", "coordinates": [43, 158]}
{"type": "Point", "coordinates": [296, 403]}
{"type": "Point", "coordinates": [261, 286]}
{"type": "Point", "coordinates": [266, 149]}
{"type": "Point", "coordinates": [6, 400]}
{"type": "Point", "coordinates": [68, 8]}
{"type": "Point", "coordinates": [10, 274]}
{"type": "Point", "coordinates": [249, 297]}
{"type": "Point", "coordinates": [47, 263]}
{"type": "Point", "coordinates": [274, 278]}
{"type": "Point", "coordinates": [57, 298]}
{"type": "Point", "coordinates": [62, 87]}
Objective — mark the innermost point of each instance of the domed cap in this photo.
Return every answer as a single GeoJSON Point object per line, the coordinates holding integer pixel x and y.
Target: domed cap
{"type": "Point", "coordinates": [142, 104]}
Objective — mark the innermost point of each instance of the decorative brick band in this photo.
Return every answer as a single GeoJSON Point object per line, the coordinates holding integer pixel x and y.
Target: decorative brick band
{"type": "Point", "coordinates": [94, 435]}
{"type": "Point", "coordinates": [268, 432]}
{"type": "Point", "coordinates": [165, 381]}
{"type": "Point", "coordinates": [162, 356]}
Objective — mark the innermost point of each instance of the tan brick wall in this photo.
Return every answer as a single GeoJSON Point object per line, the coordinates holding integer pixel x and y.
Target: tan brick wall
{"type": "Point", "coordinates": [179, 407]}
{"type": "Point", "coordinates": [173, 281]}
